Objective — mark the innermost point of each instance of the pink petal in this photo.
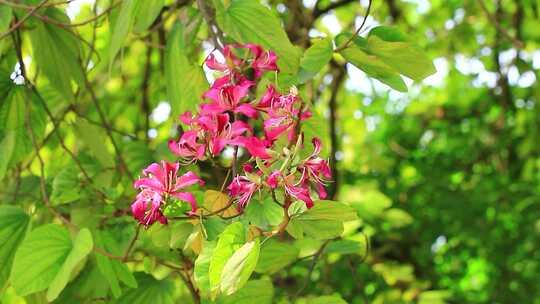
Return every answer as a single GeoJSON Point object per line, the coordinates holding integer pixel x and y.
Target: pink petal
{"type": "Point", "coordinates": [247, 110]}
{"type": "Point", "coordinates": [150, 183]}
{"type": "Point", "coordinates": [273, 179]}
{"type": "Point", "coordinates": [188, 179]}
{"type": "Point", "coordinates": [187, 197]}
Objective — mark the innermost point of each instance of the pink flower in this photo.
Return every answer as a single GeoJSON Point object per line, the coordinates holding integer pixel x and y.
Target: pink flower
{"type": "Point", "coordinates": [146, 208]}
{"type": "Point", "coordinates": [158, 184]}
{"type": "Point", "coordinates": [272, 179]}
{"type": "Point", "coordinates": [220, 131]}
{"type": "Point", "coordinates": [263, 61]}
{"type": "Point", "coordinates": [242, 189]}
{"type": "Point", "coordinates": [227, 96]}
{"type": "Point", "coordinates": [231, 61]}
{"type": "Point", "coordinates": [315, 169]}
{"type": "Point", "coordinates": [297, 190]}
{"type": "Point", "coordinates": [258, 59]}
{"type": "Point", "coordinates": [188, 146]}
{"type": "Point", "coordinates": [256, 147]}
{"type": "Point", "coordinates": [207, 131]}
{"type": "Point", "coordinates": [283, 112]}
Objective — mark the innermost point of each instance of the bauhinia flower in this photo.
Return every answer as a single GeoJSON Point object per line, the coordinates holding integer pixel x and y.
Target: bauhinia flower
{"type": "Point", "coordinates": [258, 59]}
{"type": "Point", "coordinates": [161, 182]}
{"type": "Point", "coordinates": [227, 94]}
{"type": "Point", "coordinates": [298, 190]}
{"type": "Point", "coordinates": [284, 113]}
{"type": "Point", "coordinates": [255, 146]}
{"type": "Point", "coordinates": [242, 189]}
{"type": "Point", "coordinates": [315, 169]}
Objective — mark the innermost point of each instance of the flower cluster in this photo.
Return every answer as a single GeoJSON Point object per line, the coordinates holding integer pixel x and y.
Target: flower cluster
{"type": "Point", "coordinates": [268, 128]}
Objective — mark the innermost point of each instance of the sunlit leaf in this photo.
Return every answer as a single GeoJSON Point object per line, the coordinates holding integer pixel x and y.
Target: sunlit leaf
{"type": "Point", "coordinates": [239, 267]}
{"type": "Point", "coordinates": [47, 258]}
{"type": "Point", "coordinates": [57, 52]}
{"type": "Point", "coordinates": [261, 290]}
{"type": "Point", "coordinates": [232, 238]}
{"type": "Point", "coordinates": [315, 58]}
{"type": "Point", "coordinates": [185, 80]}
{"type": "Point", "coordinates": [275, 255]}
{"type": "Point", "coordinates": [13, 228]}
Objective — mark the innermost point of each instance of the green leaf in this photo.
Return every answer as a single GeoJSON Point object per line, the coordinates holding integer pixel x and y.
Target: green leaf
{"type": "Point", "coordinates": [263, 213]}
{"type": "Point", "coordinates": [185, 81]}
{"type": "Point", "coordinates": [146, 14]}
{"type": "Point", "coordinates": [114, 271]}
{"type": "Point", "coordinates": [82, 246]}
{"type": "Point", "coordinates": [202, 266]}
{"type": "Point", "coordinates": [333, 299]}
{"type": "Point", "coordinates": [323, 221]}
{"type": "Point", "coordinates": [95, 141]}
{"type": "Point", "coordinates": [317, 229]}
{"type": "Point", "coordinates": [373, 66]}
{"type": "Point", "coordinates": [398, 218]}
{"type": "Point", "coordinates": [5, 18]}
{"type": "Point", "coordinates": [150, 290]}
{"type": "Point", "coordinates": [261, 290]}
{"type": "Point", "coordinates": [386, 54]}
{"type": "Point", "coordinates": [14, 224]}
{"type": "Point", "coordinates": [392, 46]}
{"type": "Point", "coordinates": [247, 21]}
{"type": "Point", "coordinates": [66, 186]}
{"type": "Point", "coordinates": [347, 247]}
{"type": "Point", "coordinates": [329, 210]}
{"type": "Point", "coordinates": [315, 58]}
{"type": "Point", "coordinates": [370, 203]}
{"type": "Point", "coordinates": [275, 255]}
{"type": "Point", "coordinates": [47, 257]}
{"type": "Point", "coordinates": [16, 139]}
{"type": "Point", "coordinates": [232, 238]}
{"type": "Point", "coordinates": [239, 267]}
{"type": "Point", "coordinates": [434, 297]}
{"type": "Point", "coordinates": [122, 27]}
{"type": "Point", "coordinates": [56, 52]}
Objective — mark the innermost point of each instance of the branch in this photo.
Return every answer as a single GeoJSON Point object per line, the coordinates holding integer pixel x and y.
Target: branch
{"type": "Point", "coordinates": [76, 24]}
{"type": "Point", "coordinates": [209, 18]}
{"type": "Point", "coordinates": [194, 292]}
{"type": "Point", "coordinates": [316, 257]}
{"type": "Point", "coordinates": [339, 76]}
{"type": "Point", "coordinates": [344, 45]}
{"type": "Point", "coordinates": [25, 6]}
{"type": "Point", "coordinates": [515, 41]}
{"type": "Point", "coordinates": [23, 19]}
{"type": "Point", "coordinates": [145, 104]}
{"type": "Point", "coordinates": [107, 126]}
{"type": "Point", "coordinates": [318, 12]}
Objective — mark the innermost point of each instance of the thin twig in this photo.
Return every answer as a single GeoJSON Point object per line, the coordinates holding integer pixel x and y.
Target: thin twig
{"type": "Point", "coordinates": [76, 24]}
{"type": "Point", "coordinates": [346, 44]}
{"type": "Point", "coordinates": [23, 19]}
{"type": "Point", "coordinates": [108, 128]}
{"type": "Point", "coordinates": [209, 18]}
{"type": "Point", "coordinates": [318, 12]}
{"type": "Point", "coordinates": [132, 243]}
{"type": "Point", "coordinates": [316, 257]}
{"type": "Point", "coordinates": [145, 103]}
{"type": "Point", "coordinates": [25, 6]}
